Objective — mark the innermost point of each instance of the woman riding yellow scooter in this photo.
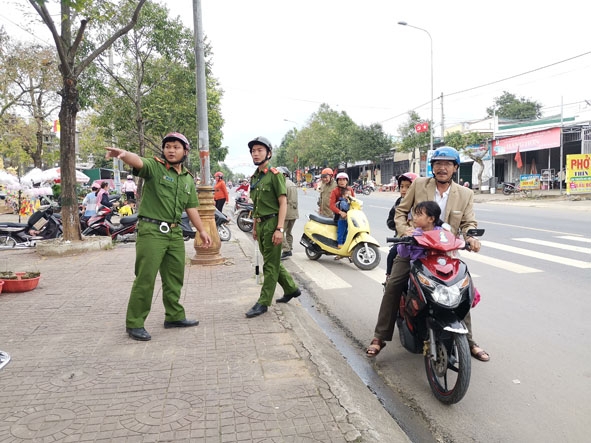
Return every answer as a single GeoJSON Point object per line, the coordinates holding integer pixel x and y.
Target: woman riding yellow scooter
{"type": "Point", "coordinates": [320, 235]}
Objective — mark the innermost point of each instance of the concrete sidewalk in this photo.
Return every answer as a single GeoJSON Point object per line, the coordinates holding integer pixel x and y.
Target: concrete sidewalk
{"type": "Point", "coordinates": [75, 375]}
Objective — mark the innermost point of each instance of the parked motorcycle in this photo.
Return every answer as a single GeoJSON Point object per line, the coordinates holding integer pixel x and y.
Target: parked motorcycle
{"type": "Point", "coordinates": [320, 237]}
{"type": "Point", "coordinates": [100, 224]}
{"type": "Point", "coordinates": [359, 188]}
{"type": "Point", "coordinates": [430, 317]}
{"type": "Point", "coordinates": [16, 235]}
{"type": "Point", "coordinates": [243, 211]}
{"type": "Point", "coordinates": [512, 188]}
{"type": "Point", "coordinates": [221, 222]}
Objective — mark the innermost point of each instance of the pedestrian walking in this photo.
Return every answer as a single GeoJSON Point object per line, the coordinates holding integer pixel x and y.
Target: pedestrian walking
{"type": "Point", "coordinates": [130, 188]}
{"type": "Point", "coordinates": [292, 213]}
{"type": "Point", "coordinates": [220, 191]}
{"type": "Point", "coordinates": [169, 189]}
{"type": "Point", "coordinates": [269, 196]}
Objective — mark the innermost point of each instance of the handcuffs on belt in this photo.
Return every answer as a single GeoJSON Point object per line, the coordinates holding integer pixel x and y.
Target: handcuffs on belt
{"type": "Point", "coordinates": [164, 228]}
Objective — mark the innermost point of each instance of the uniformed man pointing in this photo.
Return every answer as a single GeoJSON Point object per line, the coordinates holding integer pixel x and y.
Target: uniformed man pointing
{"type": "Point", "coordinates": [269, 196]}
{"type": "Point", "coordinates": [169, 190]}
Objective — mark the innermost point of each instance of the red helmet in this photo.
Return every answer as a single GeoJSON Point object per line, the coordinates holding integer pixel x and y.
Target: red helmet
{"type": "Point", "coordinates": [176, 136]}
{"type": "Point", "coordinates": [327, 171]}
{"type": "Point", "coordinates": [408, 176]}
{"type": "Point", "coordinates": [218, 174]}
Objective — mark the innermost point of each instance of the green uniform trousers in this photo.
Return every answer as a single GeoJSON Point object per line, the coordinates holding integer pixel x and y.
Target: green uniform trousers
{"type": "Point", "coordinates": [156, 251]}
{"type": "Point", "coordinates": [396, 284]}
{"type": "Point", "coordinates": [273, 271]}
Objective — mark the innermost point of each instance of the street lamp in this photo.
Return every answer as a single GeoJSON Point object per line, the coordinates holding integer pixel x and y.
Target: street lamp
{"type": "Point", "coordinates": [431, 40]}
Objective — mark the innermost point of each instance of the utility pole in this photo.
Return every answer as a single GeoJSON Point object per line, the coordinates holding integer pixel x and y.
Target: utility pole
{"type": "Point", "coordinates": [442, 121]}
{"type": "Point", "coordinates": [204, 256]}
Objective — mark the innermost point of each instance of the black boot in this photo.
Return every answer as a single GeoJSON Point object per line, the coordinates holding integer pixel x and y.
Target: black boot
{"type": "Point", "coordinates": [287, 297]}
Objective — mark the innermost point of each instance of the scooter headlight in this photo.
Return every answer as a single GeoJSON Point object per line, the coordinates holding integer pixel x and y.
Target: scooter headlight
{"type": "Point", "coordinates": [449, 296]}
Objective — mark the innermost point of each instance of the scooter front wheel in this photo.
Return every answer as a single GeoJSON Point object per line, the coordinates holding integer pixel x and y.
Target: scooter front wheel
{"type": "Point", "coordinates": [366, 256]}
{"type": "Point", "coordinates": [244, 223]}
{"type": "Point", "coordinates": [224, 233]}
{"type": "Point", "coordinates": [7, 242]}
{"type": "Point", "coordinates": [449, 371]}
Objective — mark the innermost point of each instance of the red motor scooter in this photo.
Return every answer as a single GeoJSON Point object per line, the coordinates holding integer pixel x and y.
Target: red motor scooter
{"type": "Point", "coordinates": [100, 224]}
{"type": "Point", "coordinates": [430, 317]}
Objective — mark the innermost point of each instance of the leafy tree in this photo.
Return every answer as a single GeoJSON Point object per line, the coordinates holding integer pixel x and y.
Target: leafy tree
{"type": "Point", "coordinates": [410, 139]}
{"type": "Point", "coordinates": [463, 142]}
{"type": "Point", "coordinates": [71, 66]}
{"type": "Point", "coordinates": [510, 107]}
{"type": "Point", "coordinates": [29, 78]}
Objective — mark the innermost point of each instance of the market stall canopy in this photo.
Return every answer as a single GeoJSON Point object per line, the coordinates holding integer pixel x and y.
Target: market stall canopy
{"type": "Point", "coordinates": [6, 178]}
{"type": "Point", "coordinates": [54, 175]}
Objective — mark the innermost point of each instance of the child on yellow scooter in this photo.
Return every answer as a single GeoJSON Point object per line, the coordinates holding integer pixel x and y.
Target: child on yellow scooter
{"type": "Point", "coordinates": [344, 204]}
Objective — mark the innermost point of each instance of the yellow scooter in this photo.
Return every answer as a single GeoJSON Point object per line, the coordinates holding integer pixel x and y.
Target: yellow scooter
{"type": "Point", "coordinates": [320, 237]}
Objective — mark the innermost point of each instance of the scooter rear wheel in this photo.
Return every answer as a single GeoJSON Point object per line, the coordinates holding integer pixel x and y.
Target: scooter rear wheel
{"type": "Point", "coordinates": [366, 256]}
{"type": "Point", "coordinates": [312, 254]}
{"type": "Point", "coordinates": [243, 224]}
{"type": "Point", "coordinates": [449, 372]}
{"type": "Point", "coordinates": [7, 242]}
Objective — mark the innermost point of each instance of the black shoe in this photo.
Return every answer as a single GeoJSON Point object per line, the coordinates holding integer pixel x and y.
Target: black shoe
{"type": "Point", "coordinates": [256, 310]}
{"type": "Point", "coordinates": [287, 297]}
{"type": "Point", "coordinates": [180, 323]}
{"type": "Point", "coordinates": [286, 255]}
{"type": "Point", "coordinates": [139, 334]}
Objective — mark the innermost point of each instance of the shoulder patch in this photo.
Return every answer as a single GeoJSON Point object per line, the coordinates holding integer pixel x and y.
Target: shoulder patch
{"type": "Point", "coordinates": [159, 160]}
{"type": "Point", "coordinates": [274, 171]}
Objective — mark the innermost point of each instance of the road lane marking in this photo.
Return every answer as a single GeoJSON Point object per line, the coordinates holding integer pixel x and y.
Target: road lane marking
{"type": "Point", "coordinates": [497, 263]}
{"type": "Point", "coordinates": [318, 273]}
{"type": "Point", "coordinates": [551, 244]}
{"type": "Point", "coordinates": [574, 238]}
{"type": "Point", "coordinates": [539, 255]}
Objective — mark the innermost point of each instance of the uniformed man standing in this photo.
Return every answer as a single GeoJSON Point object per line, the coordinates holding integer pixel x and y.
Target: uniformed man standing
{"type": "Point", "coordinates": [326, 187]}
{"type": "Point", "coordinates": [168, 190]}
{"type": "Point", "coordinates": [291, 215]}
{"type": "Point", "coordinates": [269, 196]}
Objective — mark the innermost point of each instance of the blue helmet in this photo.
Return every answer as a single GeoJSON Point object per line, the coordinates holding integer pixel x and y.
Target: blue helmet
{"type": "Point", "coordinates": [446, 153]}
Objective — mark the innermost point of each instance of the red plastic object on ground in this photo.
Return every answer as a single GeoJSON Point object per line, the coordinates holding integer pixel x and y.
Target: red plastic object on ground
{"type": "Point", "coordinates": [20, 284]}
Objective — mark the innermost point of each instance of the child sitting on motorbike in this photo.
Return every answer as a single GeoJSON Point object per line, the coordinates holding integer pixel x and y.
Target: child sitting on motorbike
{"type": "Point", "coordinates": [425, 218]}
{"type": "Point", "coordinates": [343, 204]}
{"type": "Point", "coordinates": [127, 208]}
{"type": "Point", "coordinates": [404, 182]}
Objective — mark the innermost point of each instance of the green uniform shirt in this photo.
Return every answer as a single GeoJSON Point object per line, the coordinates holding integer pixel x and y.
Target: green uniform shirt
{"type": "Point", "coordinates": [265, 188]}
{"type": "Point", "coordinates": [166, 193]}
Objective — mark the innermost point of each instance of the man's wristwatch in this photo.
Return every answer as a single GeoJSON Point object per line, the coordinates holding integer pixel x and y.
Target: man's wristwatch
{"type": "Point", "coordinates": [280, 230]}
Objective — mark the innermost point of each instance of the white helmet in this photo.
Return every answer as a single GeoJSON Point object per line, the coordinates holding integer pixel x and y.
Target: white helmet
{"type": "Point", "coordinates": [130, 177]}
{"type": "Point", "coordinates": [342, 175]}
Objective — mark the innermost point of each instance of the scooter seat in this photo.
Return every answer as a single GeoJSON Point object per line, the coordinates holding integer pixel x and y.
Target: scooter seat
{"type": "Point", "coordinates": [323, 220]}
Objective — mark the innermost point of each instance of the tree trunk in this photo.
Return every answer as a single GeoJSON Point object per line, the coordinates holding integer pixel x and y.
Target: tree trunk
{"type": "Point", "coordinates": [69, 199]}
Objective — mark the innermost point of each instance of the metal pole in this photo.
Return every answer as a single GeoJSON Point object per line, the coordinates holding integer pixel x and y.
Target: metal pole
{"type": "Point", "coordinates": [431, 42]}
{"type": "Point", "coordinates": [204, 256]}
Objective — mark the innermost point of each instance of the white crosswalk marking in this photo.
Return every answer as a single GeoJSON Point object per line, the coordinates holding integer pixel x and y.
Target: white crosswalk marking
{"type": "Point", "coordinates": [502, 264]}
{"type": "Point", "coordinates": [539, 255]}
{"type": "Point", "coordinates": [318, 273]}
{"type": "Point", "coordinates": [551, 244]}
{"type": "Point", "coordinates": [575, 238]}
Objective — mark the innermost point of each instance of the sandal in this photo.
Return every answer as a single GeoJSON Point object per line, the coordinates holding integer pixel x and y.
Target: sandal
{"type": "Point", "coordinates": [480, 355]}
{"type": "Point", "coordinates": [338, 257]}
{"type": "Point", "coordinates": [375, 347]}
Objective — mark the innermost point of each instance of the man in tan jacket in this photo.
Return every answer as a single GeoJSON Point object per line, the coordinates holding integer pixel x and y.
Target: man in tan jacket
{"type": "Point", "coordinates": [328, 184]}
{"type": "Point", "coordinates": [292, 213]}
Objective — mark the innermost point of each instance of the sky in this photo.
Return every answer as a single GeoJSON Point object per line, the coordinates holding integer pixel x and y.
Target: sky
{"type": "Point", "coordinates": [279, 60]}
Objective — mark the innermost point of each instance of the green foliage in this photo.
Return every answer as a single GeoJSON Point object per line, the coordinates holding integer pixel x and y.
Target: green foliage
{"type": "Point", "coordinates": [508, 106]}
{"type": "Point", "coordinates": [409, 138]}
{"type": "Point", "coordinates": [462, 141]}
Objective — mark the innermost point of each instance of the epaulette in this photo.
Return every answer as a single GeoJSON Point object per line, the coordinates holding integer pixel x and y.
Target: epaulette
{"type": "Point", "coordinates": [274, 171]}
{"type": "Point", "coordinates": [158, 159]}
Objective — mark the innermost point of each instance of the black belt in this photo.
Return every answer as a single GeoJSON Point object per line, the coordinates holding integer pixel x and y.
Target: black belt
{"type": "Point", "coordinates": [164, 226]}
{"type": "Point", "coordinates": [265, 218]}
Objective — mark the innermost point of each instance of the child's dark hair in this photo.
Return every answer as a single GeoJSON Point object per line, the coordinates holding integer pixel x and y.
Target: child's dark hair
{"type": "Point", "coordinates": [344, 191]}
{"type": "Point", "coordinates": [430, 209]}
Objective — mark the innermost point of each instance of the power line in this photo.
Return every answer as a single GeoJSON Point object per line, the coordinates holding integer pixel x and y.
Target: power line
{"type": "Point", "coordinates": [495, 82]}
